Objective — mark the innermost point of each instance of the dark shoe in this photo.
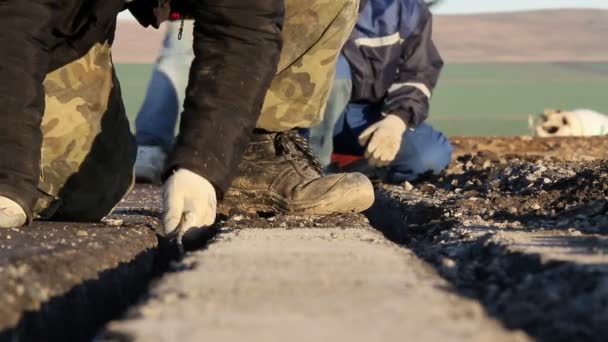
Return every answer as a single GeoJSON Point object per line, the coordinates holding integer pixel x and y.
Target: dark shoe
{"type": "Point", "coordinates": [279, 173]}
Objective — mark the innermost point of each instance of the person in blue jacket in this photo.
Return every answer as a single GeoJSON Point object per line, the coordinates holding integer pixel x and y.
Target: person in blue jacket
{"type": "Point", "coordinates": [377, 109]}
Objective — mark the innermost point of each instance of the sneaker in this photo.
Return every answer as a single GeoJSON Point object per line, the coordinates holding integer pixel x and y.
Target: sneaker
{"type": "Point", "coordinates": [149, 164]}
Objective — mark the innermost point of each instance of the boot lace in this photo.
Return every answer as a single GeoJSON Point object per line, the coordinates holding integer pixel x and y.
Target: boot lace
{"type": "Point", "coordinates": [296, 148]}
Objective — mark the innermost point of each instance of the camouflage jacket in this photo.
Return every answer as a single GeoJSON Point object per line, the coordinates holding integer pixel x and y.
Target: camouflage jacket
{"type": "Point", "coordinates": [228, 78]}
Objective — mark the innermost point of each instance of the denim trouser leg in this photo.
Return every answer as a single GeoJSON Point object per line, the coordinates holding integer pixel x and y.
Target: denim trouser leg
{"type": "Point", "coordinates": [321, 136]}
{"type": "Point", "coordinates": [422, 150]}
{"type": "Point", "coordinates": [158, 116]}
{"type": "Point", "coordinates": [156, 120]}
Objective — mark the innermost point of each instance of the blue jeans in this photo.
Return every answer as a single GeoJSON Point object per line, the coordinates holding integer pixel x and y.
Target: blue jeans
{"type": "Point", "coordinates": [157, 119]}
{"type": "Point", "coordinates": [423, 149]}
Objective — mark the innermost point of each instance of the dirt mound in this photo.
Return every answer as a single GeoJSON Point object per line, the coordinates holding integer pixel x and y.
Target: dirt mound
{"type": "Point", "coordinates": [524, 233]}
{"type": "Point", "coordinates": [537, 194]}
{"type": "Point", "coordinates": [562, 148]}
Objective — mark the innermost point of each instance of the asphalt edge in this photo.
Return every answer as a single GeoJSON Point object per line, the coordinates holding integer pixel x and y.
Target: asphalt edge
{"type": "Point", "coordinates": [81, 312]}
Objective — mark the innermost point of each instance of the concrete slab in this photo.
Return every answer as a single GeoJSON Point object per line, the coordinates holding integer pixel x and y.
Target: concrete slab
{"type": "Point", "coordinates": [341, 284]}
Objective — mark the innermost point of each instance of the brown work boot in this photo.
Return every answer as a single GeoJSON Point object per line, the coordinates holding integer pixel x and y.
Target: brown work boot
{"type": "Point", "coordinates": [279, 173]}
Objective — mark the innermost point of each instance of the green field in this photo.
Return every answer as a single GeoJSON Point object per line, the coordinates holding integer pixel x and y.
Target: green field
{"type": "Point", "coordinates": [475, 99]}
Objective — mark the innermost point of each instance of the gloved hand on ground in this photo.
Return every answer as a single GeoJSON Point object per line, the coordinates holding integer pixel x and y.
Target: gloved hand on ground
{"type": "Point", "coordinates": [11, 214]}
{"type": "Point", "coordinates": [383, 140]}
{"type": "Point", "coordinates": [189, 202]}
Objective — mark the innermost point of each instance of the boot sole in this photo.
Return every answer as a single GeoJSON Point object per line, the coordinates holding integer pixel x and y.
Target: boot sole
{"type": "Point", "coordinates": [264, 201]}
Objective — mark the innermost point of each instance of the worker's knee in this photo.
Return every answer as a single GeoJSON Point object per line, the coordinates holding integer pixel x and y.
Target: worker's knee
{"type": "Point", "coordinates": [423, 151]}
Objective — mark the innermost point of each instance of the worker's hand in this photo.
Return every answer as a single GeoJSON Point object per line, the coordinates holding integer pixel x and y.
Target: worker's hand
{"type": "Point", "coordinates": [11, 214]}
{"type": "Point", "coordinates": [383, 140]}
{"type": "Point", "coordinates": [189, 202]}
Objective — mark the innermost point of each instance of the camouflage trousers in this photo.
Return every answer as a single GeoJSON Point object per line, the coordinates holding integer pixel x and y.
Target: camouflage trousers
{"type": "Point", "coordinates": [88, 150]}
{"type": "Point", "coordinates": [313, 35]}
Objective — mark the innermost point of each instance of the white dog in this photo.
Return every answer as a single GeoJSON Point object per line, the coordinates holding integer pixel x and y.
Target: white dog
{"type": "Point", "coordinates": [560, 123]}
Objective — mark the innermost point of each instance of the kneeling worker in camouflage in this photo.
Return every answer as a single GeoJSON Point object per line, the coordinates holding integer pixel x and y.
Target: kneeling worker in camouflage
{"type": "Point", "coordinates": [67, 151]}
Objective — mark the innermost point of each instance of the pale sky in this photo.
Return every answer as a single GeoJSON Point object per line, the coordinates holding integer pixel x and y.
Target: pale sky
{"type": "Point", "coordinates": [471, 6]}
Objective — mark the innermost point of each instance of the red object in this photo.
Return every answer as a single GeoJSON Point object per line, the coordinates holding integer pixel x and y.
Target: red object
{"type": "Point", "coordinates": [342, 160]}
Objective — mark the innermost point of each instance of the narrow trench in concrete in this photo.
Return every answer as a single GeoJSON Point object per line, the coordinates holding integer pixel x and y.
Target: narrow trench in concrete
{"type": "Point", "coordinates": [554, 301]}
{"type": "Point", "coordinates": [77, 314]}
{"type": "Point", "coordinates": [80, 312]}
{"type": "Point", "coordinates": [167, 254]}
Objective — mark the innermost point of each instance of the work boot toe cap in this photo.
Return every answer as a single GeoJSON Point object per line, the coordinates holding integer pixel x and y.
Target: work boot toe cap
{"type": "Point", "coordinates": [11, 214]}
{"type": "Point", "coordinates": [335, 193]}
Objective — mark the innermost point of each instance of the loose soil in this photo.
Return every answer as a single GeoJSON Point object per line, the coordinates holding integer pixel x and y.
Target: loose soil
{"type": "Point", "coordinates": [519, 224]}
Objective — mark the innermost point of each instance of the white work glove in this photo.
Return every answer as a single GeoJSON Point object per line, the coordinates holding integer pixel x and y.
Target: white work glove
{"type": "Point", "coordinates": [383, 140]}
{"type": "Point", "coordinates": [189, 202]}
{"type": "Point", "coordinates": [11, 214]}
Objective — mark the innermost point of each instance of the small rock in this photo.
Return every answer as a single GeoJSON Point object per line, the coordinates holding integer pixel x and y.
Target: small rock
{"type": "Point", "coordinates": [427, 188]}
{"type": "Point", "coordinates": [531, 178]}
{"type": "Point", "coordinates": [20, 289]}
{"type": "Point", "coordinates": [448, 263]}
{"type": "Point", "coordinates": [82, 233]}
{"type": "Point", "coordinates": [150, 311]}
{"type": "Point", "coordinates": [408, 186]}
{"type": "Point", "coordinates": [238, 218]}
{"type": "Point", "coordinates": [169, 298]}
{"type": "Point", "coordinates": [112, 222]}
{"type": "Point", "coordinates": [471, 193]}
